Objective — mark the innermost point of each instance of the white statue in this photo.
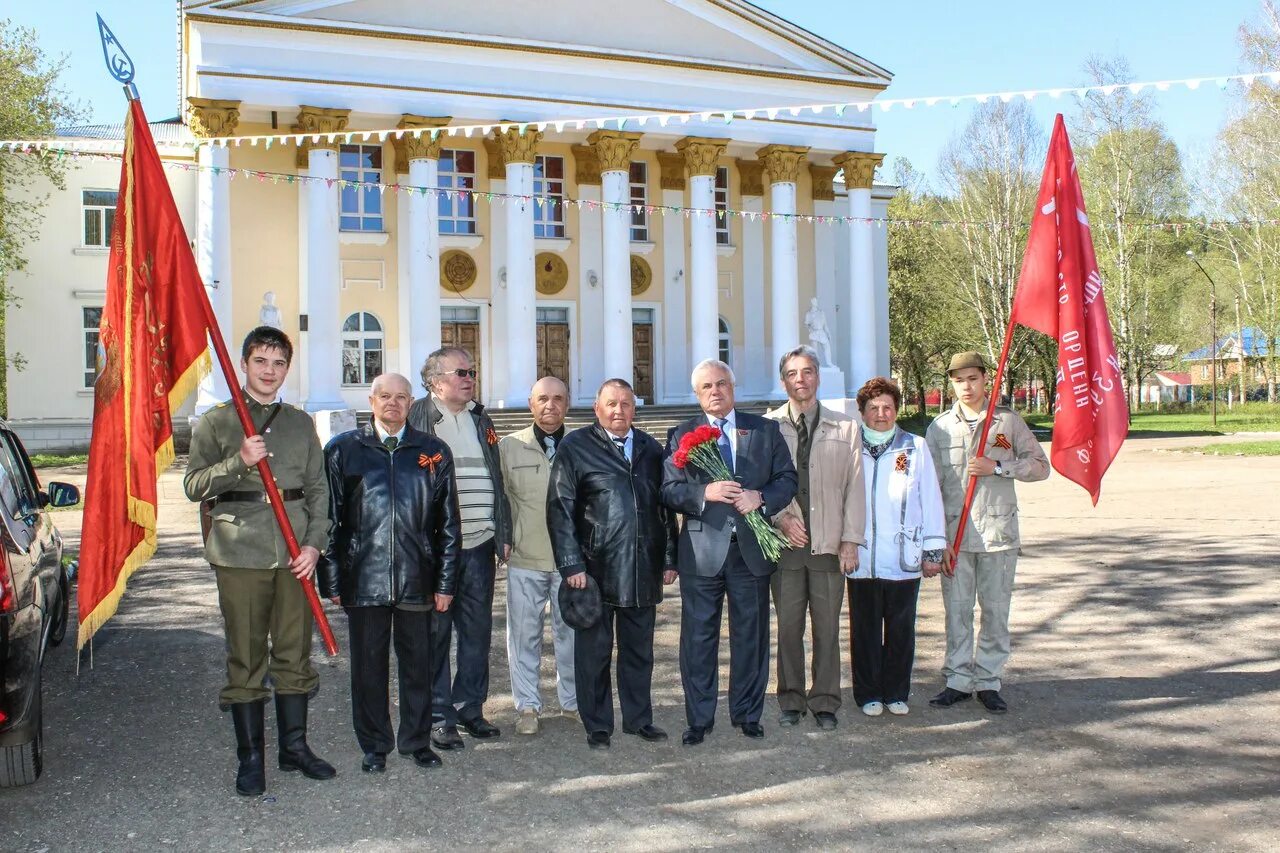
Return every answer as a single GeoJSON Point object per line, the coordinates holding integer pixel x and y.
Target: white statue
{"type": "Point", "coordinates": [270, 314]}
{"type": "Point", "coordinates": [819, 339]}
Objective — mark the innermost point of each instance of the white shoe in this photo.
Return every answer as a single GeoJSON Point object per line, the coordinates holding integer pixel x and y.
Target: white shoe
{"type": "Point", "coordinates": [571, 714]}
{"type": "Point", "coordinates": [873, 709]}
{"type": "Point", "coordinates": [528, 722]}
{"type": "Point", "coordinates": [899, 709]}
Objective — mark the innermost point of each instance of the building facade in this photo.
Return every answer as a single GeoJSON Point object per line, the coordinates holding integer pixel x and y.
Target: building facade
{"type": "Point", "coordinates": [546, 242]}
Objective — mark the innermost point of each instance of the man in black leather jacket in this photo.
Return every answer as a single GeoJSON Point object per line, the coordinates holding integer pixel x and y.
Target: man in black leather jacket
{"type": "Point", "coordinates": [606, 519]}
{"type": "Point", "coordinates": [392, 559]}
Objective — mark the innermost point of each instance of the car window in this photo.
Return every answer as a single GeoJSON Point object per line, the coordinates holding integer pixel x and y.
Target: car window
{"type": "Point", "coordinates": [17, 492]}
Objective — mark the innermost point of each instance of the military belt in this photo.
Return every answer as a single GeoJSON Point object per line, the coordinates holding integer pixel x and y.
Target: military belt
{"type": "Point", "coordinates": [258, 497]}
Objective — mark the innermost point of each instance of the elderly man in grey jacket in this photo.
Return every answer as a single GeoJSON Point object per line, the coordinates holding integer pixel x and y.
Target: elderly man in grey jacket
{"type": "Point", "coordinates": [532, 578]}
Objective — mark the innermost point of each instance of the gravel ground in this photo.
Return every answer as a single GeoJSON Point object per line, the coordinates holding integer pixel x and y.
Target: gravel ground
{"type": "Point", "coordinates": [1144, 689]}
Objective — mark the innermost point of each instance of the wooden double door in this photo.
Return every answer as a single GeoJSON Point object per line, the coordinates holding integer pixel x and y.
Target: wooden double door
{"type": "Point", "coordinates": [466, 336]}
{"type": "Point", "coordinates": [553, 351]}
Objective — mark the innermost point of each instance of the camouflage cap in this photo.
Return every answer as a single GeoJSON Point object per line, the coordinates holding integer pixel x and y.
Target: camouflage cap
{"type": "Point", "coordinates": [962, 360]}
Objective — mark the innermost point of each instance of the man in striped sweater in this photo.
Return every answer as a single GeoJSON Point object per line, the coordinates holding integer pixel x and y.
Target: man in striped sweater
{"type": "Point", "coordinates": [449, 413]}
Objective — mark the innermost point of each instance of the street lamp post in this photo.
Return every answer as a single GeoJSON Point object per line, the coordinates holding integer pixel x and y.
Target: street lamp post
{"type": "Point", "coordinates": [1213, 332]}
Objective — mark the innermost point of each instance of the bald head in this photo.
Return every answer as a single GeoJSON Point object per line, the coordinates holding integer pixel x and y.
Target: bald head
{"type": "Point", "coordinates": [390, 397]}
{"type": "Point", "coordinates": [549, 401]}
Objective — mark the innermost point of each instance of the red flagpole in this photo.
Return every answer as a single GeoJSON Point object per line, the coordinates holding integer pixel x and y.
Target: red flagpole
{"type": "Point", "coordinates": [982, 435]}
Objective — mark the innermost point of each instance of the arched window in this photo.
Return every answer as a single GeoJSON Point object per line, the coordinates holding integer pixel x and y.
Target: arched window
{"type": "Point", "coordinates": [362, 349]}
{"type": "Point", "coordinates": [726, 343]}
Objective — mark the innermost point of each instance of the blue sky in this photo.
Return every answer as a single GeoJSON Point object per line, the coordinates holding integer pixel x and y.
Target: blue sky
{"type": "Point", "coordinates": [931, 46]}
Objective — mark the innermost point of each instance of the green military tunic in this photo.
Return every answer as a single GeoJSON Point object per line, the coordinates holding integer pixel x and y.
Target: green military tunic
{"type": "Point", "coordinates": [260, 598]}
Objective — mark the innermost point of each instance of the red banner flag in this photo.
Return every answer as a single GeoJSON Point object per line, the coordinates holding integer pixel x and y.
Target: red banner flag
{"type": "Point", "coordinates": [1060, 293]}
{"type": "Point", "coordinates": [154, 352]}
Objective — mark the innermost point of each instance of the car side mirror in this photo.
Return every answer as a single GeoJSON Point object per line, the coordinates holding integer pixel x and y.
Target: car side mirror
{"type": "Point", "coordinates": [62, 494]}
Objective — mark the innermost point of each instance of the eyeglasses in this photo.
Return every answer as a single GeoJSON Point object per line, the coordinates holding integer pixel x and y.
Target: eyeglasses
{"type": "Point", "coordinates": [462, 372]}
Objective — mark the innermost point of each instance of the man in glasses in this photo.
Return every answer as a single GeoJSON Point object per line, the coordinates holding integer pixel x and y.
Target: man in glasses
{"type": "Point", "coordinates": [449, 413]}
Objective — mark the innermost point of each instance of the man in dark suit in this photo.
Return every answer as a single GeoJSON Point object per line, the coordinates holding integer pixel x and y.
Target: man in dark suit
{"type": "Point", "coordinates": [720, 558]}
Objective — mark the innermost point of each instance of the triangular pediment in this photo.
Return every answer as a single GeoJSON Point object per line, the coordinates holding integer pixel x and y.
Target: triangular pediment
{"type": "Point", "coordinates": [722, 32]}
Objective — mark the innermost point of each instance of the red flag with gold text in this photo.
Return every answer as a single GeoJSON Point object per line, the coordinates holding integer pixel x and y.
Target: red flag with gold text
{"type": "Point", "coordinates": [1060, 294]}
{"type": "Point", "coordinates": [153, 354]}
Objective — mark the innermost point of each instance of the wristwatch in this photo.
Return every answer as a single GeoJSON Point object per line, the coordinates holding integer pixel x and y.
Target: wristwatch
{"type": "Point", "coordinates": [999, 470]}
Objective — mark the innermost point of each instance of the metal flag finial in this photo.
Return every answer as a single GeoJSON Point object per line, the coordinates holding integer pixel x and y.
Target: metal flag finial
{"type": "Point", "coordinates": [119, 65]}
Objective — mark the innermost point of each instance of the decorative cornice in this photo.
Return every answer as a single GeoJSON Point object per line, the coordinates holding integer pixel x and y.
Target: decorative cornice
{"type": "Point", "coordinates": [421, 147]}
{"type": "Point", "coordinates": [517, 147]}
{"type": "Point", "coordinates": [318, 120]}
{"type": "Point", "coordinates": [497, 172]}
{"type": "Point", "coordinates": [701, 154]}
{"type": "Point", "coordinates": [782, 162]}
{"type": "Point", "coordinates": [859, 168]}
{"type": "Point", "coordinates": [208, 117]}
{"type": "Point", "coordinates": [614, 149]}
{"type": "Point", "coordinates": [751, 177]}
{"type": "Point", "coordinates": [586, 165]}
{"type": "Point", "coordinates": [671, 167]}
{"type": "Point", "coordinates": [822, 177]}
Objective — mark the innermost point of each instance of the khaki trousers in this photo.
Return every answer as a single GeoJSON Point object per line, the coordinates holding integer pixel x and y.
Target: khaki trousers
{"type": "Point", "coordinates": [812, 584]}
{"type": "Point", "coordinates": [988, 578]}
{"type": "Point", "coordinates": [268, 628]}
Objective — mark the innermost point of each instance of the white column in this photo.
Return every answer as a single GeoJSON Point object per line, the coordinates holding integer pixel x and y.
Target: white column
{"type": "Point", "coordinates": [324, 347]}
{"type": "Point", "coordinates": [784, 287]}
{"type": "Point", "coordinates": [618, 355]}
{"type": "Point", "coordinates": [704, 315]}
{"type": "Point", "coordinates": [213, 247]}
{"type": "Point", "coordinates": [404, 242]}
{"type": "Point", "coordinates": [590, 332]}
{"type": "Point", "coordinates": [423, 321]}
{"type": "Point", "coordinates": [495, 359]}
{"type": "Point", "coordinates": [859, 170]}
{"type": "Point", "coordinates": [755, 377]}
{"type": "Point", "coordinates": [522, 344]}
{"type": "Point", "coordinates": [675, 301]}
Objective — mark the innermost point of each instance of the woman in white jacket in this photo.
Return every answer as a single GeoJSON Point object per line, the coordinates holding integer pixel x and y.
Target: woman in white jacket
{"type": "Point", "coordinates": [905, 539]}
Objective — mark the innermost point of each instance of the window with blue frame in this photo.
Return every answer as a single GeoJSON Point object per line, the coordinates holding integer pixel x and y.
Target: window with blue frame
{"type": "Point", "coordinates": [548, 183]}
{"type": "Point", "coordinates": [361, 205]}
{"type": "Point", "coordinates": [457, 171]}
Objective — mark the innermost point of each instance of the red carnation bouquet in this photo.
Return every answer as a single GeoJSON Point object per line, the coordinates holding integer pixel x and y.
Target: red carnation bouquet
{"type": "Point", "coordinates": [699, 446]}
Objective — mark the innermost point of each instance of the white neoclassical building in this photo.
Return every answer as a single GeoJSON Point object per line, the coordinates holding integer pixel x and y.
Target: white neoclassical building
{"type": "Point", "coordinates": [552, 244]}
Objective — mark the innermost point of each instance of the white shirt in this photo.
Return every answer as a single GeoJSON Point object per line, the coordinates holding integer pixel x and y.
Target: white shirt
{"type": "Point", "coordinates": [383, 435]}
{"type": "Point", "coordinates": [730, 428]}
{"type": "Point", "coordinates": [628, 442]}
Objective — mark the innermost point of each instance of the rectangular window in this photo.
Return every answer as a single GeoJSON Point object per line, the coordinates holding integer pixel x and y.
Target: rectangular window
{"type": "Point", "coordinates": [361, 205]}
{"type": "Point", "coordinates": [722, 206]}
{"type": "Point", "coordinates": [99, 216]}
{"type": "Point", "coordinates": [1204, 371]}
{"type": "Point", "coordinates": [457, 171]}
{"type": "Point", "coordinates": [640, 196]}
{"type": "Point", "coordinates": [548, 184]}
{"type": "Point", "coordinates": [92, 319]}
{"type": "Point", "coordinates": [450, 314]}
{"type": "Point", "coordinates": [558, 316]}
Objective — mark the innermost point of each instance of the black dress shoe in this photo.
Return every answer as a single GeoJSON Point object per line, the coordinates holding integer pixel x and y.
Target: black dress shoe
{"type": "Point", "coordinates": [650, 733]}
{"type": "Point", "coordinates": [480, 728]}
{"type": "Point", "coordinates": [948, 697]}
{"type": "Point", "coordinates": [694, 735]}
{"type": "Point", "coordinates": [825, 719]}
{"type": "Point", "coordinates": [751, 730]}
{"type": "Point", "coordinates": [598, 740]}
{"type": "Point", "coordinates": [447, 738]}
{"type": "Point", "coordinates": [790, 718]}
{"type": "Point", "coordinates": [374, 762]}
{"type": "Point", "coordinates": [425, 757]}
{"type": "Point", "coordinates": [992, 701]}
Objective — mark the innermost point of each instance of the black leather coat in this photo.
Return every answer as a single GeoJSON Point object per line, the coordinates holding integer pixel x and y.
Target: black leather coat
{"type": "Point", "coordinates": [605, 516]}
{"type": "Point", "coordinates": [397, 531]}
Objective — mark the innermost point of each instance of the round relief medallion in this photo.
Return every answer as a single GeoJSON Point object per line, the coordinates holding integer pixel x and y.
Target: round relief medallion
{"type": "Point", "coordinates": [551, 272]}
{"type": "Point", "coordinates": [641, 275]}
{"type": "Point", "coordinates": [457, 270]}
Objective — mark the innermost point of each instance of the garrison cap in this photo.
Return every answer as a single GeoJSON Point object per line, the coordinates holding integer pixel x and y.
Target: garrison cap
{"type": "Point", "coordinates": [963, 360]}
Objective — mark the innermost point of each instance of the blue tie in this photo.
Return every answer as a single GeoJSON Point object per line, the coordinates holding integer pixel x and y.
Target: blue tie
{"type": "Point", "coordinates": [726, 449]}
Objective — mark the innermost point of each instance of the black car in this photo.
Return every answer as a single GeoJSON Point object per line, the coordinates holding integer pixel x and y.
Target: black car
{"type": "Point", "coordinates": [34, 604]}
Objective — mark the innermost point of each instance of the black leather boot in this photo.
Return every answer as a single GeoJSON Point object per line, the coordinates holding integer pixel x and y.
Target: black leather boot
{"type": "Point", "coordinates": [251, 778]}
{"type": "Point", "coordinates": [291, 720]}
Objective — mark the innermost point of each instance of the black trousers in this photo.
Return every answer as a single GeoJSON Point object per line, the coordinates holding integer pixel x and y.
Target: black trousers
{"type": "Point", "coordinates": [702, 605]}
{"type": "Point", "coordinates": [371, 630]}
{"type": "Point", "coordinates": [592, 654]}
{"type": "Point", "coordinates": [461, 694]}
{"type": "Point", "coordinates": [882, 617]}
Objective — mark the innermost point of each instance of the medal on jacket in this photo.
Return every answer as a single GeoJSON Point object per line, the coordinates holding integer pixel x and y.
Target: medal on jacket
{"type": "Point", "coordinates": [1003, 441]}
{"type": "Point", "coordinates": [425, 461]}
{"type": "Point", "coordinates": [901, 463]}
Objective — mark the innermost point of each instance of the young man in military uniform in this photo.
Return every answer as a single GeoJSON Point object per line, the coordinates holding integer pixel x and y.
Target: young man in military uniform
{"type": "Point", "coordinates": [267, 619]}
{"type": "Point", "coordinates": [984, 568]}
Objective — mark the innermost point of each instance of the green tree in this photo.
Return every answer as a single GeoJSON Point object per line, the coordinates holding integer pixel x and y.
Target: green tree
{"type": "Point", "coordinates": [31, 106]}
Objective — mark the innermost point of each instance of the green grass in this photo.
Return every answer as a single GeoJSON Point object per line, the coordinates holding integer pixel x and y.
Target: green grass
{"type": "Point", "coordinates": [1252, 417]}
{"type": "Point", "coordinates": [1240, 448]}
{"type": "Point", "coordinates": [54, 460]}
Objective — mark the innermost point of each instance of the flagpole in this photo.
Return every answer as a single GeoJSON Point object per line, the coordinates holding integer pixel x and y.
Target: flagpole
{"type": "Point", "coordinates": [992, 400]}
{"type": "Point", "coordinates": [122, 69]}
